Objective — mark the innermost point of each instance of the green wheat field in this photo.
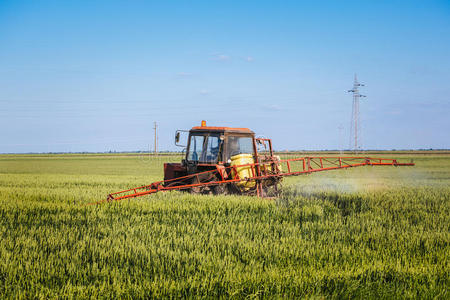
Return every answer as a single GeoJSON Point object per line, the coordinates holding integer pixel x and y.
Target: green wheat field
{"type": "Point", "coordinates": [368, 232]}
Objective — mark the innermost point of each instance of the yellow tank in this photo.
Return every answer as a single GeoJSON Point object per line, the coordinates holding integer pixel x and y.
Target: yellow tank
{"type": "Point", "coordinates": [243, 172]}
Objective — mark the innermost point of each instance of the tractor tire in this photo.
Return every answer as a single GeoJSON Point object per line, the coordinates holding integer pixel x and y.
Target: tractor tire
{"type": "Point", "coordinates": [196, 189]}
{"type": "Point", "coordinates": [272, 188]}
{"type": "Point", "coordinates": [221, 189]}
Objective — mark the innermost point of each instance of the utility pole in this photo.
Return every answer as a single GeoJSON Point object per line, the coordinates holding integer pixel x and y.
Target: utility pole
{"type": "Point", "coordinates": [341, 137]}
{"type": "Point", "coordinates": [155, 127]}
{"type": "Point", "coordinates": [355, 131]}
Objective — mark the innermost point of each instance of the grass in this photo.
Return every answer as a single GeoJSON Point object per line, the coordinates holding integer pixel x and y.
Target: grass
{"type": "Point", "coordinates": [371, 232]}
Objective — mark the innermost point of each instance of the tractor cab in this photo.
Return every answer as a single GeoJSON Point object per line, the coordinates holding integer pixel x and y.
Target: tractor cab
{"type": "Point", "coordinates": [216, 145]}
{"type": "Point", "coordinates": [209, 148]}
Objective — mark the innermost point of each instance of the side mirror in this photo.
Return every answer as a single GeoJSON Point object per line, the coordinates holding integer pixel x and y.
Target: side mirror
{"type": "Point", "coordinates": [179, 137]}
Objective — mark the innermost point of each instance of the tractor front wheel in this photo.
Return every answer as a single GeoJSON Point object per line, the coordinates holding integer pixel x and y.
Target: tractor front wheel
{"type": "Point", "coordinates": [220, 189]}
{"type": "Point", "coordinates": [195, 189]}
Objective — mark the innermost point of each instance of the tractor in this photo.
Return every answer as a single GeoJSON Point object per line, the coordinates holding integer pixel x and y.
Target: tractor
{"type": "Point", "coordinates": [212, 153]}
{"type": "Point", "coordinates": [226, 160]}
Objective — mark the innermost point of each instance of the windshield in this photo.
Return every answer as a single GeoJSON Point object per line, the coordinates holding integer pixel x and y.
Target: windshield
{"type": "Point", "coordinates": [239, 145]}
{"type": "Point", "coordinates": [204, 149]}
{"type": "Point", "coordinates": [212, 149]}
{"type": "Point", "coordinates": [196, 147]}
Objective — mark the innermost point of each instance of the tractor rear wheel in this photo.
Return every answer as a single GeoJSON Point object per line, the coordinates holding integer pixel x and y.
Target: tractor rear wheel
{"type": "Point", "coordinates": [272, 187]}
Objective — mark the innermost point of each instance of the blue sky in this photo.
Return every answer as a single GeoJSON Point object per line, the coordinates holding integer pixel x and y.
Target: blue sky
{"type": "Point", "coordinates": [95, 75]}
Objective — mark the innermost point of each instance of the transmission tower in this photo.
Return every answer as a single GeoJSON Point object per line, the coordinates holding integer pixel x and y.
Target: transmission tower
{"type": "Point", "coordinates": [355, 130]}
{"type": "Point", "coordinates": [155, 127]}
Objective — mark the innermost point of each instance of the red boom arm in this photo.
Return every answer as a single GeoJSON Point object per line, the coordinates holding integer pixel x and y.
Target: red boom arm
{"type": "Point", "coordinates": [273, 168]}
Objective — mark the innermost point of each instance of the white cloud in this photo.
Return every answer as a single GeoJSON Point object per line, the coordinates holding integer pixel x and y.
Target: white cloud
{"type": "Point", "coordinates": [221, 57]}
{"type": "Point", "coordinates": [204, 92]}
{"type": "Point", "coordinates": [226, 57]}
{"type": "Point", "coordinates": [273, 107]}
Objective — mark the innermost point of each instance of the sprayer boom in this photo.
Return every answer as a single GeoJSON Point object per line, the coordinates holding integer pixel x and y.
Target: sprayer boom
{"type": "Point", "coordinates": [222, 160]}
{"type": "Point", "coordinates": [253, 178]}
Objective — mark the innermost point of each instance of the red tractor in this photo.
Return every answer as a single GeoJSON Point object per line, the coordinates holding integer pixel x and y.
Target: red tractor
{"type": "Point", "coordinates": [220, 154]}
{"type": "Point", "coordinates": [223, 160]}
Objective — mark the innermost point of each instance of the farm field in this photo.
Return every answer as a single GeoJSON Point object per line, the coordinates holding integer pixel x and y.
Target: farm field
{"type": "Point", "coordinates": [369, 232]}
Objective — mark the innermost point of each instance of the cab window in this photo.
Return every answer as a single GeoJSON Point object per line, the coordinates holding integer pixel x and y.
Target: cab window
{"type": "Point", "coordinates": [212, 149]}
{"type": "Point", "coordinates": [205, 149]}
{"type": "Point", "coordinates": [195, 147]}
{"type": "Point", "coordinates": [239, 145]}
